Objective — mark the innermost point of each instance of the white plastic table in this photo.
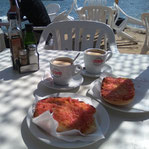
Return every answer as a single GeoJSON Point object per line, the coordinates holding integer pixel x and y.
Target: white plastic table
{"type": "Point", "coordinates": [126, 131]}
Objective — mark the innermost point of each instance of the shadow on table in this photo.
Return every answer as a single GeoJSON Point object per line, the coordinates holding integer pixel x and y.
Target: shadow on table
{"type": "Point", "coordinates": [88, 80]}
{"type": "Point", "coordinates": [10, 74]}
{"type": "Point", "coordinates": [43, 90]}
{"type": "Point", "coordinates": [141, 84]}
{"type": "Point", "coordinates": [32, 142]}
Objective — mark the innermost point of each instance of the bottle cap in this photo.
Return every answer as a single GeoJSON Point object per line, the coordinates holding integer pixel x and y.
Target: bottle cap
{"type": "Point", "coordinates": [12, 15]}
{"type": "Point", "coordinates": [29, 27]}
{"type": "Point", "coordinates": [32, 47]}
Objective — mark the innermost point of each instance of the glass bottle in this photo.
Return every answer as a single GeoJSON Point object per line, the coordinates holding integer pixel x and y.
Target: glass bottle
{"type": "Point", "coordinates": [29, 35]}
{"type": "Point", "coordinates": [29, 38]}
{"type": "Point", "coordinates": [15, 39]}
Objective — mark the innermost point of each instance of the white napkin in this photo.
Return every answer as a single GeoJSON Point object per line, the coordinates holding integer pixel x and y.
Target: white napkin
{"type": "Point", "coordinates": [49, 125]}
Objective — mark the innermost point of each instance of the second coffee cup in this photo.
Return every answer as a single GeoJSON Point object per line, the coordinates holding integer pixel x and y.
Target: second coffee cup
{"type": "Point", "coordinates": [63, 69]}
{"type": "Point", "coordinates": [94, 59]}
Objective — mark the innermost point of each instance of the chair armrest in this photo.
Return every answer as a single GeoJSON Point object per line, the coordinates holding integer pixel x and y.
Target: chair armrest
{"type": "Point", "coordinates": [135, 21]}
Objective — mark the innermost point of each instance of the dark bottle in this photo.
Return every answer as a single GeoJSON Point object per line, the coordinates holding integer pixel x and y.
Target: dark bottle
{"type": "Point", "coordinates": [15, 39]}
{"type": "Point", "coordinates": [29, 38]}
{"type": "Point", "coordinates": [29, 35]}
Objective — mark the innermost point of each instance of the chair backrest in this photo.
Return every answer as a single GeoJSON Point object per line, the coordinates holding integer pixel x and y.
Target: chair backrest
{"type": "Point", "coordinates": [52, 8]}
{"type": "Point", "coordinates": [97, 13]}
{"type": "Point", "coordinates": [95, 2]}
{"type": "Point", "coordinates": [78, 35]}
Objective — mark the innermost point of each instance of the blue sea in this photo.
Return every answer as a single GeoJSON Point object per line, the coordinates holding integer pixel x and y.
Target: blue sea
{"type": "Point", "coordinates": [132, 7]}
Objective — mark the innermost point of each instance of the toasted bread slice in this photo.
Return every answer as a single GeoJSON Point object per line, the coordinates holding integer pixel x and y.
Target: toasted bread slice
{"type": "Point", "coordinates": [117, 91]}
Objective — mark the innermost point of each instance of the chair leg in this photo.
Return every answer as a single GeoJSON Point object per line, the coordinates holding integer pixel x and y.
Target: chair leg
{"type": "Point", "coordinates": [145, 48]}
{"type": "Point", "coordinates": [126, 36]}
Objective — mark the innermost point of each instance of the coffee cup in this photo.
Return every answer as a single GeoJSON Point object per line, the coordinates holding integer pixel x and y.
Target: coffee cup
{"type": "Point", "coordinates": [95, 58]}
{"type": "Point", "coordinates": [63, 69]}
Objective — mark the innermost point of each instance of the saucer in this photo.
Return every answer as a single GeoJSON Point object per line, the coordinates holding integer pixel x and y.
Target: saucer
{"type": "Point", "coordinates": [105, 68]}
{"type": "Point", "coordinates": [76, 81]}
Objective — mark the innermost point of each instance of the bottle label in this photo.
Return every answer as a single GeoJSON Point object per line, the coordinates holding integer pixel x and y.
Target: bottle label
{"type": "Point", "coordinates": [16, 46]}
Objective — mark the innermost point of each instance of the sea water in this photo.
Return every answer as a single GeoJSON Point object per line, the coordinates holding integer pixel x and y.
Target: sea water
{"type": "Point", "coordinates": [133, 8]}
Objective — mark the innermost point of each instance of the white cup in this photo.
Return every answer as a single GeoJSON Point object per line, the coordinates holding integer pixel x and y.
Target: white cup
{"type": "Point", "coordinates": [95, 58]}
{"type": "Point", "coordinates": [63, 69]}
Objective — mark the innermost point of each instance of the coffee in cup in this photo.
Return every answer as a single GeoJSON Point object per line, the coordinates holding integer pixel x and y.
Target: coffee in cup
{"type": "Point", "coordinates": [95, 58]}
{"type": "Point", "coordinates": [63, 69]}
{"type": "Point", "coordinates": [61, 63]}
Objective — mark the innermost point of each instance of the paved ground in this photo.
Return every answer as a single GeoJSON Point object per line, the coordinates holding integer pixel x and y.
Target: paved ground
{"type": "Point", "coordinates": [126, 46]}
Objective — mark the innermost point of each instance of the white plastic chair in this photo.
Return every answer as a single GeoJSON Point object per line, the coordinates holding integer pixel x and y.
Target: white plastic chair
{"type": "Point", "coordinates": [97, 13]}
{"type": "Point", "coordinates": [145, 19]}
{"type": "Point", "coordinates": [64, 15]}
{"type": "Point", "coordinates": [52, 9]}
{"type": "Point", "coordinates": [127, 20]}
{"type": "Point", "coordinates": [109, 16]}
{"type": "Point", "coordinates": [78, 36]}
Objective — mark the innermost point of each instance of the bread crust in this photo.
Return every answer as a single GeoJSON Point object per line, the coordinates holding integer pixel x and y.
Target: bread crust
{"type": "Point", "coordinates": [117, 91]}
{"type": "Point", "coordinates": [118, 102]}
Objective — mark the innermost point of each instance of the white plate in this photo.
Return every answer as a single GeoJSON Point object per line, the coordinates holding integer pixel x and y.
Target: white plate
{"type": "Point", "coordinates": [76, 81]}
{"type": "Point", "coordinates": [140, 103]}
{"type": "Point", "coordinates": [105, 68]}
{"type": "Point", "coordinates": [101, 116]}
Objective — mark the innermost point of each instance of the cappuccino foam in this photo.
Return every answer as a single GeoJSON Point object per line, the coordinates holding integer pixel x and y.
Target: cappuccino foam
{"type": "Point", "coordinates": [93, 53]}
{"type": "Point", "coordinates": [61, 63]}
